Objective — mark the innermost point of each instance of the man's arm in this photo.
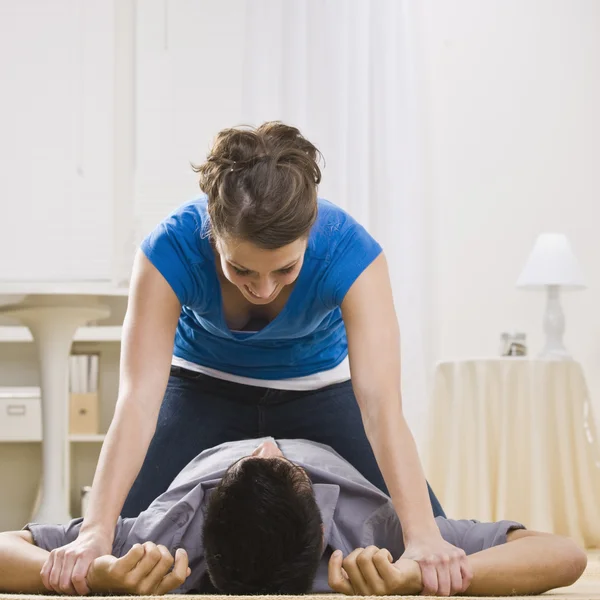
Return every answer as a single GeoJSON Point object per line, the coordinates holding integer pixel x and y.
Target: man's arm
{"type": "Point", "coordinates": [20, 564]}
{"type": "Point", "coordinates": [530, 563]}
{"type": "Point", "coordinates": [145, 570]}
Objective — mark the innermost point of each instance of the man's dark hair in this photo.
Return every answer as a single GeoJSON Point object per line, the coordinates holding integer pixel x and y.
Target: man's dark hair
{"type": "Point", "coordinates": [263, 530]}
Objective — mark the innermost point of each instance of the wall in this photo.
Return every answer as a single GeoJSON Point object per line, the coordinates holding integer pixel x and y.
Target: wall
{"type": "Point", "coordinates": [188, 78]}
{"type": "Point", "coordinates": [56, 118]}
{"type": "Point", "coordinates": [512, 90]}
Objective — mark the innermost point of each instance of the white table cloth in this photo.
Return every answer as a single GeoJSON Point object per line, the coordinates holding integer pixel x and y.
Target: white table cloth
{"type": "Point", "coordinates": [514, 438]}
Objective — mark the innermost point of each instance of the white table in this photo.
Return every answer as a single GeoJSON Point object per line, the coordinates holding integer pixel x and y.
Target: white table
{"type": "Point", "coordinates": [515, 438]}
{"type": "Point", "coordinates": [53, 312]}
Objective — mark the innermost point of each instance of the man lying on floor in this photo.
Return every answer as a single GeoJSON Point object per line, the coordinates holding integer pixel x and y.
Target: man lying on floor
{"type": "Point", "coordinates": [265, 518]}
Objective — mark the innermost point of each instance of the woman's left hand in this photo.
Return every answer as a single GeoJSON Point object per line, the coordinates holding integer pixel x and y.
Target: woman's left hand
{"type": "Point", "coordinates": [444, 568]}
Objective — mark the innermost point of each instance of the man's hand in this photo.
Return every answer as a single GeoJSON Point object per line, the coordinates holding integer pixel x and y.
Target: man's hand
{"type": "Point", "coordinates": [145, 570]}
{"type": "Point", "coordinates": [445, 568]}
{"type": "Point", "coordinates": [371, 572]}
{"type": "Point", "coordinates": [65, 570]}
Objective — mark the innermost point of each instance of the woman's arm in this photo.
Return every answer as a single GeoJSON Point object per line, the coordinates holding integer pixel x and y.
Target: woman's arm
{"type": "Point", "coordinates": [147, 346]}
{"type": "Point", "coordinates": [146, 351]}
{"type": "Point", "coordinates": [374, 353]}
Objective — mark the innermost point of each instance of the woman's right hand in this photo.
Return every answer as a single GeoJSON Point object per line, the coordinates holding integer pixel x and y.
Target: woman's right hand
{"type": "Point", "coordinates": [65, 570]}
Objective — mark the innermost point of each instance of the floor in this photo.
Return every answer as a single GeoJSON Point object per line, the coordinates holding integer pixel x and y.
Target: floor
{"type": "Point", "coordinates": [588, 588]}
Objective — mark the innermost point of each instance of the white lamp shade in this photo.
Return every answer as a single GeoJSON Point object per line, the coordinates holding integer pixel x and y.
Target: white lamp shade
{"type": "Point", "coordinates": [551, 262]}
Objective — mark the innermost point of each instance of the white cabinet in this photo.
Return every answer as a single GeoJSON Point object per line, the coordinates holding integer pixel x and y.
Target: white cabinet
{"type": "Point", "coordinates": [57, 65]}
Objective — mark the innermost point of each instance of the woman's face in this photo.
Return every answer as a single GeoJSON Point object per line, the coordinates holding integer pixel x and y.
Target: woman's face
{"type": "Point", "coordinates": [260, 274]}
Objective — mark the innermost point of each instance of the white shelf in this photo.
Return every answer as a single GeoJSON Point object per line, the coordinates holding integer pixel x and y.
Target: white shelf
{"type": "Point", "coordinates": [87, 437]}
{"type": "Point", "coordinates": [82, 438]}
{"type": "Point", "coordinates": [83, 334]}
{"type": "Point", "coordinates": [62, 288]}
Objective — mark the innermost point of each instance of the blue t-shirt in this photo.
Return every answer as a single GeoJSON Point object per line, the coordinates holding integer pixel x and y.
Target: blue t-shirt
{"type": "Point", "coordinates": [308, 336]}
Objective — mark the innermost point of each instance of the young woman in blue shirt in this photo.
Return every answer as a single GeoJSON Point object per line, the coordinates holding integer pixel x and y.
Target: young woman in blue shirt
{"type": "Point", "coordinates": [259, 309]}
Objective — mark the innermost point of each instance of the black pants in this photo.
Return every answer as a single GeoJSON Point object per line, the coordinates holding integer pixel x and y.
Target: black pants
{"type": "Point", "coordinates": [199, 412]}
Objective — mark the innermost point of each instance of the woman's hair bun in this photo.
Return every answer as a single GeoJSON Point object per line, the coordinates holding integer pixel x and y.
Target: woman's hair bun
{"type": "Point", "coordinates": [257, 179]}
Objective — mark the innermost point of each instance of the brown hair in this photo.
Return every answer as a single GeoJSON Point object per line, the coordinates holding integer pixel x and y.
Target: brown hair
{"type": "Point", "coordinates": [261, 184]}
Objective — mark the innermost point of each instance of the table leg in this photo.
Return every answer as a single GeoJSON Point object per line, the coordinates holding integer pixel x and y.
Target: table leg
{"type": "Point", "coordinates": [53, 328]}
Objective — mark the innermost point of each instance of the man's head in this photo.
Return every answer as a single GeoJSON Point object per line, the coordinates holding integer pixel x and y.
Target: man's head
{"type": "Point", "coordinates": [263, 529]}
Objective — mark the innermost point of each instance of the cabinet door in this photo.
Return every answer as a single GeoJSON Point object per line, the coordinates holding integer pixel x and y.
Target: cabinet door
{"type": "Point", "coordinates": [56, 146]}
{"type": "Point", "coordinates": [189, 67]}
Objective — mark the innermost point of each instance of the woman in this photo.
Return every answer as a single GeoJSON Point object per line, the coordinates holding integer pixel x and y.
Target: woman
{"type": "Point", "coordinates": [251, 306]}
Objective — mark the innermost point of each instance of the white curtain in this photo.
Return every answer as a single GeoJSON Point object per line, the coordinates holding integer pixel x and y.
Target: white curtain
{"type": "Point", "coordinates": [343, 72]}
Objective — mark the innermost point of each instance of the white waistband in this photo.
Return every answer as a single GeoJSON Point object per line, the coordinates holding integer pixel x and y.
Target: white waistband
{"type": "Point", "coordinates": [309, 382]}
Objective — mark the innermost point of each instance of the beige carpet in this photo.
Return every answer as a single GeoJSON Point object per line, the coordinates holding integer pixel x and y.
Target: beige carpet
{"type": "Point", "coordinates": [588, 587]}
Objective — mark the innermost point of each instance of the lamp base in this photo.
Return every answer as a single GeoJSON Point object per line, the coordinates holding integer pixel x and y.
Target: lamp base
{"type": "Point", "coordinates": [554, 327]}
{"type": "Point", "coordinates": [555, 354]}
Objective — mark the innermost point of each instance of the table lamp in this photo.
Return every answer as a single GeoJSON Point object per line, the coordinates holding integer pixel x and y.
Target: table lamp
{"type": "Point", "coordinates": [552, 266]}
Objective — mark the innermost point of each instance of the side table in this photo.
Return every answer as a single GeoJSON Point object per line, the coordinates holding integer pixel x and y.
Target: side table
{"type": "Point", "coordinates": [514, 438]}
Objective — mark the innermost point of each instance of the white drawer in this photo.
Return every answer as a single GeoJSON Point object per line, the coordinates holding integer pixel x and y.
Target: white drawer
{"type": "Point", "coordinates": [20, 415]}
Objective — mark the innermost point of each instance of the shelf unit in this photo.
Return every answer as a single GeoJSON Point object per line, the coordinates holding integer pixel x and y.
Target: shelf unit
{"type": "Point", "coordinates": [17, 334]}
{"type": "Point", "coordinates": [74, 438]}
{"type": "Point", "coordinates": [20, 459]}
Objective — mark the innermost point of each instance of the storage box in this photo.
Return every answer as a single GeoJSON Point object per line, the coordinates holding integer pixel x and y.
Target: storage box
{"type": "Point", "coordinates": [20, 414]}
{"type": "Point", "coordinates": [83, 414]}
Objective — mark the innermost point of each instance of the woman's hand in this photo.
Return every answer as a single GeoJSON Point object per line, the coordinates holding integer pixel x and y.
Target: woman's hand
{"type": "Point", "coordinates": [372, 572]}
{"type": "Point", "coordinates": [146, 570]}
{"type": "Point", "coordinates": [65, 570]}
{"type": "Point", "coordinates": [444, 568]}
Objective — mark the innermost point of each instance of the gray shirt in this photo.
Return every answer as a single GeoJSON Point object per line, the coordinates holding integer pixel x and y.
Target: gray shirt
{"type": "Point", "coordinates": [355, 513]}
